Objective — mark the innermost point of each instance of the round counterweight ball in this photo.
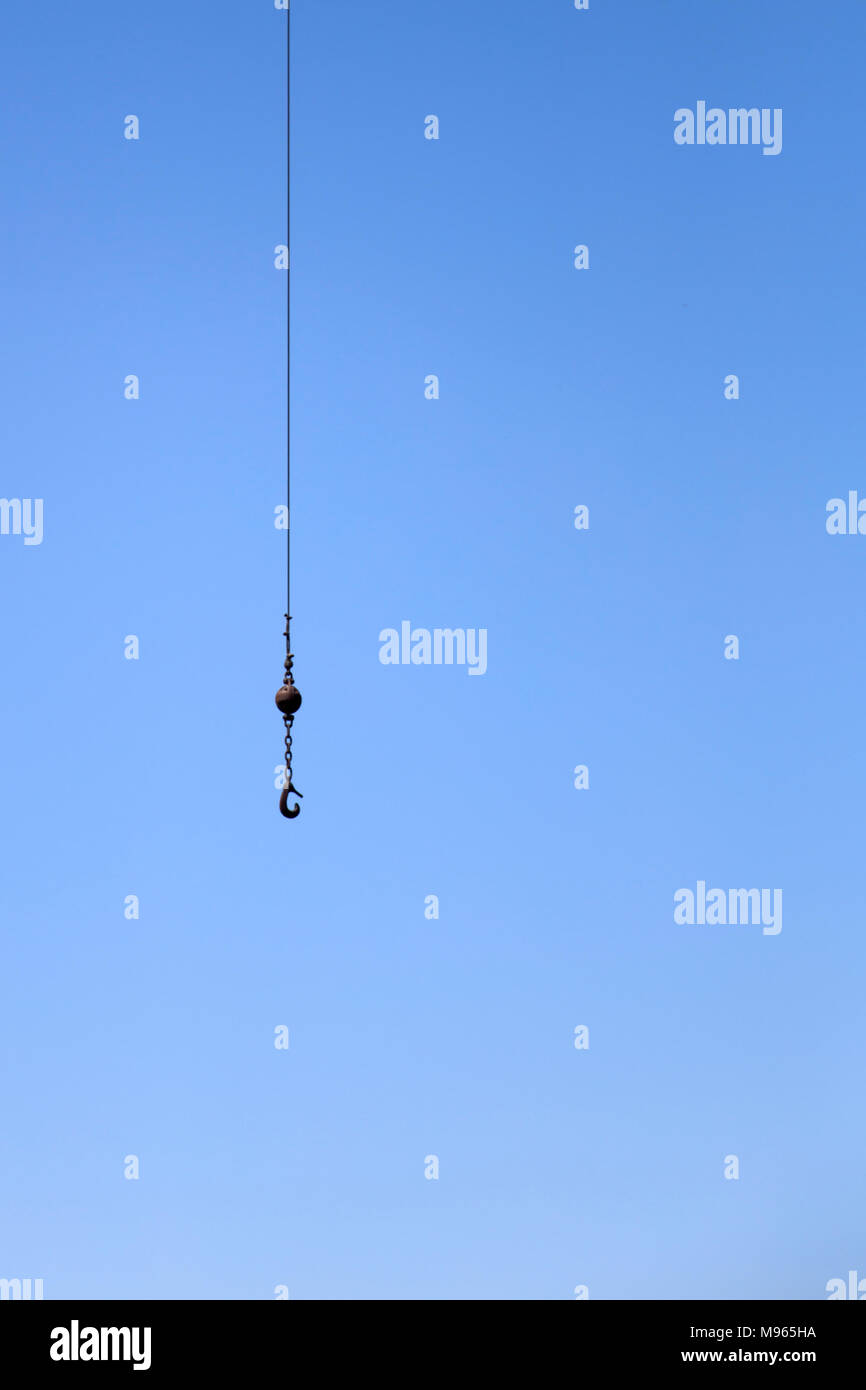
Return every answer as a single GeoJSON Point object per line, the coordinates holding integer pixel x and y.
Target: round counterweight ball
{"type": "Point", "coordinates": [288, 699]}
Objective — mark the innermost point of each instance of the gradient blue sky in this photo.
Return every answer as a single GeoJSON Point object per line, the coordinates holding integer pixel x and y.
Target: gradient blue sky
{"type": "Point", "coordinates": [155, 777]}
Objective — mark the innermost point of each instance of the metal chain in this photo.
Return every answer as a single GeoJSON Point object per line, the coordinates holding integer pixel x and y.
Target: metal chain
{"type": "Point", "coordinates": [288, 719]}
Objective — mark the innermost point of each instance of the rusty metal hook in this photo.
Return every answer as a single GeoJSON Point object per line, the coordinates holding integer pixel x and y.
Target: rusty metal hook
{"type": "Point", "coordinates": [284, 802]}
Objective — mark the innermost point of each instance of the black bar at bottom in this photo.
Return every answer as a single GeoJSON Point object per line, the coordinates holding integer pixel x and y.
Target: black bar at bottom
{"type": "Point", "coordinates": [306, 1339]}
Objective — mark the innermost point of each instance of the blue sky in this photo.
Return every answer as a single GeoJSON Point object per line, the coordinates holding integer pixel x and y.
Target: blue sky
{"type": "Point", "coordinates": [604, 387]}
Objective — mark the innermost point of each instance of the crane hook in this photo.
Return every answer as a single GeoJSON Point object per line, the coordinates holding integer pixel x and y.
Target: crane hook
{"type": "Point", "coordinates": [284, 802]}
